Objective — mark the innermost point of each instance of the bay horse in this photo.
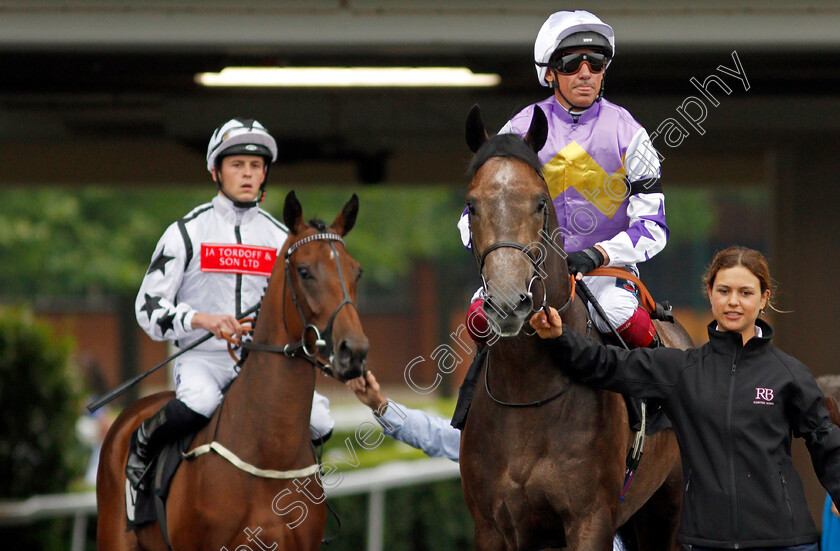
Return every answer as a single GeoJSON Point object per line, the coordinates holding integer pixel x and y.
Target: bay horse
{"type": "Point", "coordinates": [542, 458]}
{"type": "Point", "coordinates": [264, 418]}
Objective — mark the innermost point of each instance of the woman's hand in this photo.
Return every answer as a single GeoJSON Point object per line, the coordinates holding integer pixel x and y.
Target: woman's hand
{"type": "Point", "coordinates": [547, 327]}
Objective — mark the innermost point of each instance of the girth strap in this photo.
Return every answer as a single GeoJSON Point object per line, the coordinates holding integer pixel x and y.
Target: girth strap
{"type": "Point", "coordinates": [247, 467]}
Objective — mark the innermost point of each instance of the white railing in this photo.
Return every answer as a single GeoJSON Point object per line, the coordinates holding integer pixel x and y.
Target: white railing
{"type": "Point", "coordinates": [374, 482]}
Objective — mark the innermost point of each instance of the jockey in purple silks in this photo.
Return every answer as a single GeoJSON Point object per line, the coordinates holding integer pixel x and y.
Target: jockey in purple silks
{"type": "Point", "coordinates": [601, 169]}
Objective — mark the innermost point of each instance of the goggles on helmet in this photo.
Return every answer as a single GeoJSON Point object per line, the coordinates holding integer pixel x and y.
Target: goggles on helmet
{"type": "Point", "coordinates": [569, 64]}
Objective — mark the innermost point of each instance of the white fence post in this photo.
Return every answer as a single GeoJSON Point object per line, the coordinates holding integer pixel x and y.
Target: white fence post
{"type": "Point", "coordinates": [79, 531]}
{"type": "Point", "coordinates": [376, 520]}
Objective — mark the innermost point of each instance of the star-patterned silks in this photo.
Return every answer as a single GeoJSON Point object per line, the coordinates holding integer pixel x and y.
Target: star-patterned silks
{"type": "Point", "coordinates": [165, 323]}
{"type": "Point", "coordinates": [639, 229]}
{"type": "Point", "coordinates": [151, 304]}
{"type": "Point", "coordinates": [159, 263]}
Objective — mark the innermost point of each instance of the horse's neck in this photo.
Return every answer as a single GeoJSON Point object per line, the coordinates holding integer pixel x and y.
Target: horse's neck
{"type": "Point", "coordinates": [268, 407]}
{"type": "Point", "coordinates": [535, 353]}
{"type": "Point", "coordinates": [527, 360]}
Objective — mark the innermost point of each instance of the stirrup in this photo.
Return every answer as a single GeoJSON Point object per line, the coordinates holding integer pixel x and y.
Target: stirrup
{"type": "Point", "coordinates": [133, 467]}
{"type": "Point", "coordinates": [140, 483]}
{"type": "Point", "coordinates": [656, 342]}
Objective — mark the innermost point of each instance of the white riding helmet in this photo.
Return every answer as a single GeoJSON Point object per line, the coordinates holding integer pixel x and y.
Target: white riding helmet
{"type": "Point", "coordinates": [560, 26]}
{"type": "Point", "coordinates": [241, 137]}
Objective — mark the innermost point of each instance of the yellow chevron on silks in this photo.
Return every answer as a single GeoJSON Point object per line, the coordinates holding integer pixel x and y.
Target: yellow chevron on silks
{"type": "Point", "coordinates": [574, 167]}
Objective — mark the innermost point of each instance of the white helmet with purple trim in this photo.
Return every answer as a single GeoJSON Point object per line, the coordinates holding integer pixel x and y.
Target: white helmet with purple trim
{"type": "Point", "coordinates": [570, 29]}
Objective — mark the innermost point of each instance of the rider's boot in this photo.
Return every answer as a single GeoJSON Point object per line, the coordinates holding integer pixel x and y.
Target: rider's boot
{"type": "Point", "coordinates": [171, 421]}
{"type": "Point", "coordinates": [477, 325]}
{"type": "Point", "coordinates": [638, 331]}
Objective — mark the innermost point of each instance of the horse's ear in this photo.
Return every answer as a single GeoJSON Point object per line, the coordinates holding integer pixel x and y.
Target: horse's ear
{"type": "Point", "coordinates": [476, 133]}
{"type": "Point", "coordinates": [292, 213]}
{"type": "Point", "coordinates": [346, 219]}
{"type": "Point", "coordinates": [538, 131]}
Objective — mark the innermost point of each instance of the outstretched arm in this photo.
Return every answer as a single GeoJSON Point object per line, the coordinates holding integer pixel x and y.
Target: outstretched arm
{"type": "Point", "coordinates": [429, 433]}
{"type": "Point", "coordinates": [643, 372]}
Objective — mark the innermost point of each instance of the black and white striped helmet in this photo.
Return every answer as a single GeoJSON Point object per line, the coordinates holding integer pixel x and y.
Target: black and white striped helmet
{"type": "Point", "coordinates": [241, 137]}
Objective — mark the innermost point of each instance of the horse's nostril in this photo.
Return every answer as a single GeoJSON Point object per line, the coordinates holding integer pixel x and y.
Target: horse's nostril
{"type": "Point", "coordinates": [353, 351]}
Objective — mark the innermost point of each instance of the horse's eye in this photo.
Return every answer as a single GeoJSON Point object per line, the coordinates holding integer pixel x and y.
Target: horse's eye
{"type": "Point", "coordinates": [542, 205]}
{"type": "Point", "coordinates": [471, 208]}
{"type": "Point", "coordinates": [304, 273]}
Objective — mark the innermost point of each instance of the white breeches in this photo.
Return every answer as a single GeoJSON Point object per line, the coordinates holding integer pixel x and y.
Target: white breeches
{"type": "Point", "coordinates": [619, 301]}
{"type": "Point", "coordinates": [200, 377]}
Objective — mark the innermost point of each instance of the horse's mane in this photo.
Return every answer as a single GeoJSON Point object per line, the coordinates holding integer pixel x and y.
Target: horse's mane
{"type": "Point", "coordinates": [504, 145]}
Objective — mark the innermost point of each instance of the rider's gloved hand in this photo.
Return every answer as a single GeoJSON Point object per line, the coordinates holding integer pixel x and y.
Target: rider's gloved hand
{"type": "Point", "coordinates": [583, 262]}
{"type": "Point", "coordinates": [477, 325]}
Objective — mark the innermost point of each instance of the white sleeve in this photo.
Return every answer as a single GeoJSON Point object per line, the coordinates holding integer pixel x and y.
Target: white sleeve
{"type": "Point", "coordinates": [155, 305]}
{"type": "Point", "coordinates": [431, 434]}
{"type": "Point", "coordinates": [647, 232]}
{"type": "Point", "coordinates": [464, 229]}
{"type": "Point", "coordinates": [507, 128]}
{"type": "Point", "coordinates": [321, 422]}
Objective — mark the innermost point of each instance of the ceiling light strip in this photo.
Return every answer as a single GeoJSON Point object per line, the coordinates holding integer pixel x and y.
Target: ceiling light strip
{"type": "Point", "coordinates": [348, 77]}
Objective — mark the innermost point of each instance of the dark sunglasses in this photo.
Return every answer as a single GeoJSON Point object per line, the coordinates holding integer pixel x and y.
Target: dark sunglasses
{"type": "Point", "coordinates": [569, 64]}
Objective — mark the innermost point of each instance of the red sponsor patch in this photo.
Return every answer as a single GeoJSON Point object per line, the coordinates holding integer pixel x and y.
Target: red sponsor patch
{"type": "Point", "coordinates": [237, 259]}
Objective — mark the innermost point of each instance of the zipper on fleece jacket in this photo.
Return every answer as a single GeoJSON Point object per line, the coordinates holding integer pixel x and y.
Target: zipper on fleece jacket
{"type": "Point", "coordinates": [237, 299]}
{"type": "Point", "coordinates": [733, 500]}
{"type": "Point", "coordinates": [787, 499]}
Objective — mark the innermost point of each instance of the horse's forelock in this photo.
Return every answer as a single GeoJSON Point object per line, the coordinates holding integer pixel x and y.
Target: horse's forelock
{"type": "Point", "coordinates": [504, 145]}
{"type": "Point", "coordinates": [318, 224]}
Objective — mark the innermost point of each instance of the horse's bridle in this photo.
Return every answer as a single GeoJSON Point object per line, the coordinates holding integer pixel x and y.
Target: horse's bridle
{"type": "Point", "coordinates": [323, 339]}
{"type": "Point", "coordinates": [538, 269]}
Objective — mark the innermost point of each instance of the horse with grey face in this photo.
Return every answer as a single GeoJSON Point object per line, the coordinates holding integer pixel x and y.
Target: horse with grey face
{"type": "Point", "coordinates": [542, 458]}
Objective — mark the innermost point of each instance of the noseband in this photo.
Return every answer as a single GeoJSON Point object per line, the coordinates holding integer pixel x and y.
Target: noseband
{"type": "Point", "coordinates": [323, 339]}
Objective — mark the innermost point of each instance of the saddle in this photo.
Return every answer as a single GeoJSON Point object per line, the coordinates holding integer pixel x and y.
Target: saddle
{"type": "Point", "coordinates": [150, 506]}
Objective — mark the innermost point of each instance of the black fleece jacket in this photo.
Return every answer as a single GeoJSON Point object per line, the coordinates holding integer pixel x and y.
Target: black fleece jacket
{"type": "Point", "coordinates": [734, 408]}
